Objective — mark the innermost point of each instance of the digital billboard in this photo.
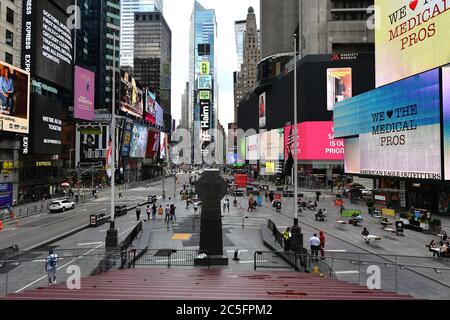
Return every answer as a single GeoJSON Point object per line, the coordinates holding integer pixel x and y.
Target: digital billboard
{"type": "Point", "coordinates": [316, 142]}
{"type": "Point", "coordinates": [411, 37]}
{"type": "Point", "coordinates": [150, 107]}
{"type": "Point", "coordinates": [273, 146]}
{"type": "Point", "coordinates": [205, 82]}
{"type": "Point", "coordinates": [153, 145]}
{"type": "Point", "coordinates": [159, 116]}
{"type": "Point", "coordinates": [252, 148]}
{"type": "Point", "coordinates": [14, 99]}
{"type": "Point", "coordinates": [339, 86]}
{"type": "Point", "coordinates": [126, 139]}
{"type": "Point", "coordinates": [84, 94]}
{"type": "Point", "coordinates": [446, 129]}
{"type": "Point", "coordinates": [47, 49]}
{"type": "Point", "coordinates": [241, 150]}
{"type": "Point", "coordinates": [398, 127]}
{"type": "Point", "coordinates": [262, 111]}
{"type": "Point", "coordinates": [204, 68]}
{"type": "Point", "coordinates": [163, 146]}
{"type": "Point", "coordinates": [6, 195]}
{"type": "Point", "coordinates": [131, 98]}
{"type": "Point", "coordinates": [92, 144]}
{"type": "Point", "coordinates": [47, 115]}
{"type": "Point", "coordinates": [139, 139]}
{"type": "Point", "coordinates": [205, 121]}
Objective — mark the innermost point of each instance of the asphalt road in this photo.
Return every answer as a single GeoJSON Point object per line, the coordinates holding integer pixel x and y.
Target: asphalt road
{"type": "Point", "coordinates": [36, 230]}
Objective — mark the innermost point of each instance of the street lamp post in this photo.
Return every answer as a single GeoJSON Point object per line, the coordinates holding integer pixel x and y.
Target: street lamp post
{"type": "Point", "coordinates": [295, 136]}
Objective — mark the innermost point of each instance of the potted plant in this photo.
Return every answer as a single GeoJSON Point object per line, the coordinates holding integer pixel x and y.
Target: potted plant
{"type": "Point", "coordinates": [435, 226]}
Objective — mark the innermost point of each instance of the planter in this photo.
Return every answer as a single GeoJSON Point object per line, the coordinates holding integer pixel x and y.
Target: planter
{"type": "Point", "coordinates": [425, 226]}
{"type": "Point", "coordinates": [435, 229]}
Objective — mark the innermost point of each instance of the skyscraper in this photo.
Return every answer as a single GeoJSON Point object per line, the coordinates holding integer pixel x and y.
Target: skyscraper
{"type": "Point", "coordinates": [239, 30]}
{"type": "Point", "coordinates": [203, 86]}
{"type": "Point", "coordinates": [153, 55]}
{"type": "Point", "coordinates": [128, 9]}
{"type": "Point", "coordinates": [185, 108]}
{"type": "Point", "coordinates": [100, 25]}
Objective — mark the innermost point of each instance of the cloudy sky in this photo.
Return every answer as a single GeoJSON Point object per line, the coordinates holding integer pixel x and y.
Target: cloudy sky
{"type": "Point", "coordinates": [177, 14]}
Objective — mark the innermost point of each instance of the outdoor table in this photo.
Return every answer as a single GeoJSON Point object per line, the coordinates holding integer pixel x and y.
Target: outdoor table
{"type": "Point", "coordinates": [374, 239]}
{"type": "Point", "coordinates": [341, 224]}
{"type": "Point", "coordinates": [389, 232]}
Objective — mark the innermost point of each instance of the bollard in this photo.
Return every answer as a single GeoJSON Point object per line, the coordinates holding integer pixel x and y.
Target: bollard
{"type": "Point", "coordinates": [315, 270]}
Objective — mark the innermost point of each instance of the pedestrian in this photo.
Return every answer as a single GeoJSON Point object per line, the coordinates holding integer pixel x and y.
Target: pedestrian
{"type": "Point", "coordinates": [120, 194]}
{"type": "Point", "coordinates": [287, 240]}
{"type": "Point", "coordinates": [167, 218]}
{"type": "Point", "coordinates": [314, 243]}
{"type": "Point", "coordinates": [51, 264]}
{"type": "Point", "coordinates": [195, 207]}
{"type": "Point", "coordinates": [173, 215]}
{"type": "Point", "coordinates": [149, 212]}
{"type": "Point", "coordinates": [322, 244]}
{"type": "Point", "coordinates": [138, 212]}
{"type": "Point", "coordinates": [318, 194]}
{"type": "Point", "coordinates": [271, 196]}
{"type": "Point", "coordinates": [154, 209]}
{"type": "Point", "coordinates": [160, 212]}
{"type": "Point", "coordinates": [228, 204]}
{"type": "Point", "coordinates": [267, 196]}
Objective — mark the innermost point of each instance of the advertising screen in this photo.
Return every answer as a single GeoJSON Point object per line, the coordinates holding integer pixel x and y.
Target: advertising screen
{"type": "Point", "coordinates": [316, 142]}
{"type": "Point", "coordinates": [204, 68]}
{"type": "Point", "coordinates": [131, 98]}
{"type": "Point", "coordinates": [47, 114]}
{"type": "Point", "coordinates": [205, 121]}
{"type": "Point", "coordinates": [252, 148]}
{"type": "Point", "coordinates": [398, 127]}
{"type": "Point", "coordinates": [446, 129]}
{"type": "Point", "coordinates": [159, 116]}
{"type": "Point", "coordinates": [84, 94]}
{"type": "Point", "coordinates": [150, 107]}
{"type": "Point", "coordinates": [242, 151]}
{"type": "Point", "coordinates": [339, 86]}
{"type": "Point", "coordinates": [262, 111]}
{"type": "Point", "coordinates": [6, 194]}
{"type": "Point", "coordinates": [204, 82]}
{"type": "Point", "coordinates": [139, 140]}
{"type": "Point", "coordinates": [153, 145]}
{"type": "Point", "coordinates": [14, 99]}
{"type": "Point", "coordinates": [163, 146]}
{"type": "Point", "coordinates": [47, 49]}
{"type": "Point", "coordinates": [352, 156]}
{"type": "Point", "coordinates": [274, 148]}
{"type": "Point", "coordinates": [92, 144]}
{"type": "Point", "coordinates": [411, 37]}
{"type": "Point", "coordinates": [126, 141]}
{"type": "Point", "coordinates": [205, 95]}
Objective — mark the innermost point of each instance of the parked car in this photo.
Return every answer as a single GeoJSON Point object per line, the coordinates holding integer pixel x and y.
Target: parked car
{"type": "Point", "coordinates": [61, 206]}
{"type": "Point", "coordinates": [355, 189]}
{"type": "Point", "coordinates": [367, 192]}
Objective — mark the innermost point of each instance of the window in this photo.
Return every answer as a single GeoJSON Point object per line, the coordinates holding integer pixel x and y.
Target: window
{"type": "Point", "coordinates": [9, 58]}
{"type": "Point", "coordinates": [10, 15]}
{"type": "Point", "coordinates": [9, 38]}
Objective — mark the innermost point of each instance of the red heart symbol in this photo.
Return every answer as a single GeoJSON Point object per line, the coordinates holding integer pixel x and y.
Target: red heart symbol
{"type": "Point", "coordinates": [413, 4]}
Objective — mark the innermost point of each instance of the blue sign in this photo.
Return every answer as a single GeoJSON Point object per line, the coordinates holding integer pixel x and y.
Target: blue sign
{"type": "Point", "coordinates": [126, 143]}
{"type": "Point", "coordinates": [6, 194]}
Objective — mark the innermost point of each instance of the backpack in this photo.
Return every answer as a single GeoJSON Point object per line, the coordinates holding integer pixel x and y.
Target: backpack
{"type": "Point", "coordinates": [52, 261]}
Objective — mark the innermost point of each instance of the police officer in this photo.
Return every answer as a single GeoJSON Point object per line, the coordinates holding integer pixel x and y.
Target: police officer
{"type": "Point", "coordinates": [287, 235]}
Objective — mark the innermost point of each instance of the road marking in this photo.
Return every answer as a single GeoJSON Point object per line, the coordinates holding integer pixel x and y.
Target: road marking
{"type": "Point", "coordinates": [251, 261]}
{"type": "Point", "coordinates": [62, 267]}
{"type": "Point", "coordinates": [346, 272]}
{"type": "Point", "coordinates": [83, 210]}
{"type": "Point", "coordinates": [233, 251]}
{"type": "Point", "coordinates": [337, 251]}
{"type": "Point", "coordinates": [89, 244]}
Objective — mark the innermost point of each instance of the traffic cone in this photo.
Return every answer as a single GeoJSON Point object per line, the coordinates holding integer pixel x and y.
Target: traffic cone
{"type": "Point", "coordinates": [1, 225]}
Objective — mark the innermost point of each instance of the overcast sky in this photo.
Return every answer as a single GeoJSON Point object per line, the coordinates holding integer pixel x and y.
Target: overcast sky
{"type": "Point", "coordinates": [178, 14]}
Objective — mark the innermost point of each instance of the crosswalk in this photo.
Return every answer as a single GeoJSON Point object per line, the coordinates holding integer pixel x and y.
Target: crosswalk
{"type": "Point", "coordinates": [136, 199]}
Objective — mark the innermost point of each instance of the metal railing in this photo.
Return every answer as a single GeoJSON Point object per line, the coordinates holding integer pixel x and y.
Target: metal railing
{"type": "Point", "coordinates": [170, 258]}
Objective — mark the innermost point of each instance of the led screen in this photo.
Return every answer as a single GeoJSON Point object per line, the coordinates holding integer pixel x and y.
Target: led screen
{"type": "Point", "coordinates": [126, 141]}
{"type": "Point", "coordinates": [131, 98]}
{"type": "Point", "coordinates": [411, 37]}
{"type": "Point", "coordinates": [252, 148]}
{"type": "Point", "coordinates": [398, 127]}
{"type": "Point", "coordinates": [271, 145]}
{"type": "Point", "coordinates": [92, 144]}
{"type": "Point", "coordinates": [262, 111]}
{"type": "Point", "coordinates": [139, 141]}
{"type": "Point", "coordinates": [84, 94]}
{"type": "Point", "coordinates": [48, 124]}
{"type": "Point", "coordinates": [446, 104]}
{"type": "Point", "coordinates": [339, 86]}
{"type": "Point", "coordinates": [150, 107]}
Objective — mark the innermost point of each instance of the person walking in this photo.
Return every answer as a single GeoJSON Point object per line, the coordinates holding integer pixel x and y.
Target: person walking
{"type": "Point", "coordinates": [227, 201]}
{"type": "Point", "coordinates": [149, 212]}
{"type": "Point", "coordinates": [287, 240]}
{"type": "Point", "coordinates": [195, 207]}
{"type": "Point", "coordinates": [314, 243]}
{"type": "Point", "coordinates": [120, 194]}
{"type": "Point", "coordinates": [167, 211]}
{"type": "Point", "coordinates": [267, 196]}
{"type": "Point", "coordinates": [160, 212]}
{"type": "Point", "coordinates": [322, 244]}
{"type": "Point", "coordinates": [154, 209]}
{"type": "Point", "coordinates": [51, 264]}
{"type": "Point", "coordinates": [173, 215]}
{"type": "Point", "coordinates": [271, 196]}
{"type": "Point", "coordinates": [138, 212]}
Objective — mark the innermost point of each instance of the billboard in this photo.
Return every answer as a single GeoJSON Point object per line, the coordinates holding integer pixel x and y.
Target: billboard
{"type": "Point", "coordinates": [163, 146]}
{"type": "Point", "coordinates": [411, 37]}
{"type": "Point", "coordinates": [153, 145]}
{"type": "Point", "coordinates": [204, 82]}
{"type": "Point", "coordinates": [14, 99]}
{"type": "Point", "coordinates": [446, 129]}
{"type": "Point", "coordinates": [47, 115]}
{"type": "Point", "coordinates": [339, 86]}
{"type": "Point", "coordinates": [271, 145]}
{"type": "Point", "coordinates": [131, 97]}
{"type": "Point", "coordinates": [398, 127]}
{"type": "Point", "coordinates": [47, 49]}
{"type": "Point", "coordinates": [252, 148]}
{"type": "Point", "coordinates": [159, 116]}
{"type": "Point", "coordinates": [84, 94]}
{"type": "Point", "coordinates": [150, 107]}
{"type": "Point", "coordinates": [126, 140]}
{"type": "Point", "coordinates": [262, 111]}
{"type": "Point", "coordinates": [205, 121]}
{"type": "Point", "coordinates": [204, 68]}
{"type": "Point", "coordinates": [316, 142]}
{"type": "Point", "coordinates": [92, 144]}
{"type": "Point", "coordinates": [205, 95]}
{"type": "Point", "coordinates": [241, 150]}
{"type": "Point", "coordinates": [6, 195]}
{"type": "Point", "coordinates": [139, 139]}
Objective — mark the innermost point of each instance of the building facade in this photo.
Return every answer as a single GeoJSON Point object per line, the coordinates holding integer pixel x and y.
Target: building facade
{"type": "Point", "coordinates": [185, 119]}
{"type": "Point", "coordinates": [128, 9]}
{"type": "Point", "coordinates": [153, 55]}
{"type": "Point", "coordinates": [239, 31]}
{"type": "Point", "coordinates": [204, 112]}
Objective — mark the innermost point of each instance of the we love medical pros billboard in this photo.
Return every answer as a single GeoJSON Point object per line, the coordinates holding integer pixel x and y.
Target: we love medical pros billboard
{"type": "Point", "coordinates": [411, 37]}
{"type": "Point", "coordinates": [398, 128]}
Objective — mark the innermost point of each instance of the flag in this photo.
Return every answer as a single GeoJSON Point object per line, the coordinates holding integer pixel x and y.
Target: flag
{"type": "Point", "coordinates": [109, 156]}
{"type": "Point", "coordinates": [289, 145]}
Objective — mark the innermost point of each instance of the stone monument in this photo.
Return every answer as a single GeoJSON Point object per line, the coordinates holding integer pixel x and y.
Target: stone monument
{"type": "Point", "coordinates": [211, 189]}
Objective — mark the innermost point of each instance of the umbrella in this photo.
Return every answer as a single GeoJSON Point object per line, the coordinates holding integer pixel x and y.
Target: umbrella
{"type": "Point", "coordinates": [65, 185]}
